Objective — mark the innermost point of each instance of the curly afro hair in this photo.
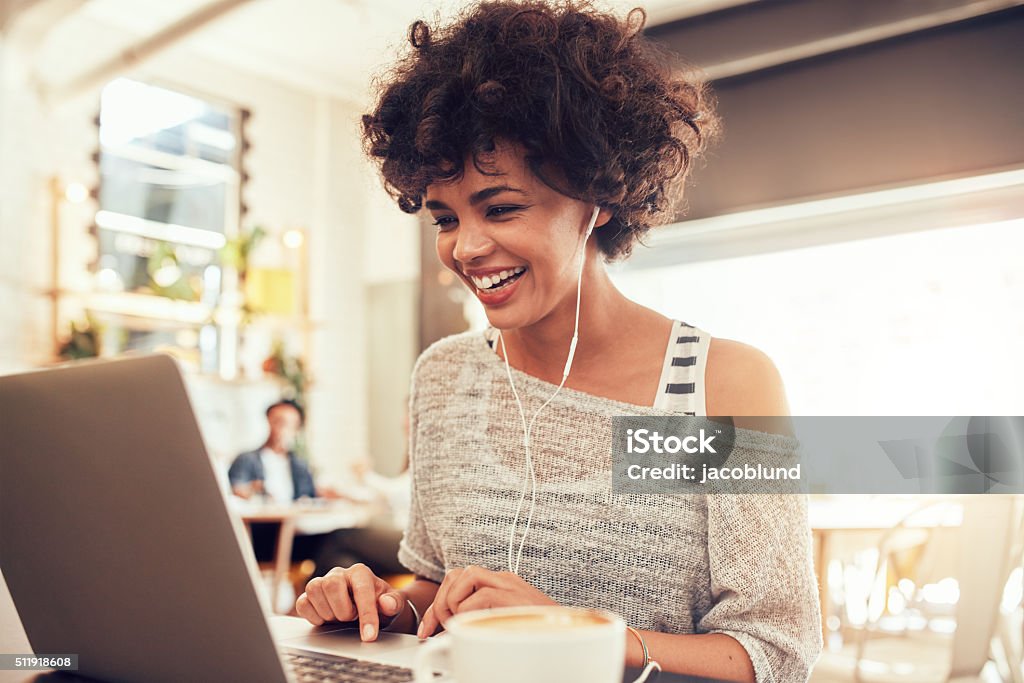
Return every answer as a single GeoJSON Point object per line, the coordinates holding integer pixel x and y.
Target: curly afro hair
{"type": "Point", "coordinates": [579, 90]}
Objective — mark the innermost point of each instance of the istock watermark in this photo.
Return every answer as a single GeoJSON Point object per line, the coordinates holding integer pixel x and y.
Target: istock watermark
{"type": "Point", "coordinates": [648, 441]}
{"type": "Point", "coordinates": [831, 455]}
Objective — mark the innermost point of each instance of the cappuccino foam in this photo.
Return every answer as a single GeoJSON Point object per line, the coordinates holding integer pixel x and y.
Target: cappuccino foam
{"type": "Point", "coordinates": [539, 623]}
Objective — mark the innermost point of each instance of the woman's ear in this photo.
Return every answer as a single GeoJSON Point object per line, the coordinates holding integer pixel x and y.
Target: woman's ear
{"type": "Point", "coordinates": [603, 216]}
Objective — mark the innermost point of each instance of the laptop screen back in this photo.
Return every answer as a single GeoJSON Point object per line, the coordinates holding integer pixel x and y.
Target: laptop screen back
{"type": "Point", "coordinates": [115, 540]}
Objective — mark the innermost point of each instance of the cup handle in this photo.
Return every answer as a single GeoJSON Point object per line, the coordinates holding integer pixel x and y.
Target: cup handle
{"type": "Point", "coordinates": [422, 668]}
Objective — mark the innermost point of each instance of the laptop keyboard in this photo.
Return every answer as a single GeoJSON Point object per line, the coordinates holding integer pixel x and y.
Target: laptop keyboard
{"type": "Point", "coordinates": [315, 666]}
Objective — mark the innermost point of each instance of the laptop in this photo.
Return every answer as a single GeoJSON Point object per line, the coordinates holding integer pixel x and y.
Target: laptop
{"type": "Point", "coordinates": [117, 544]}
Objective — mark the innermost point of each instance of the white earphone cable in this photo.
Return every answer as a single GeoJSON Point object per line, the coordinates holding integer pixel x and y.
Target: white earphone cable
{"type": "Point", "coordinates": [528, 428]}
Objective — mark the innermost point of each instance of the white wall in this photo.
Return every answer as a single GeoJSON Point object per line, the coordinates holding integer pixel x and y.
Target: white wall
{"type": "Point", "coordinates": [391, 242]}
{"type": "Point", "coordinates": [23, 215]}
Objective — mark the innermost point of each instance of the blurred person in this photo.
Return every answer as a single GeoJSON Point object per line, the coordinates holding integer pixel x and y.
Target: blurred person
{"type": "Point", "coordinates": [273, 473]}
{"type": "Point", "coordinates": [524, 128]}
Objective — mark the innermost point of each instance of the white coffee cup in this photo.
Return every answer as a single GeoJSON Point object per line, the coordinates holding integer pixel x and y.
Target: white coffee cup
{"type": "Point", "coordinates": [541, 644]}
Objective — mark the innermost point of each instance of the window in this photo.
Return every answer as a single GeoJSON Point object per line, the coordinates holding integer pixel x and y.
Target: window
{"type": "Point", "coordinates": [169, 190]}
{"type": "Point", "coordinates": [170, 167]}
{"type": "Point", "coordinates": [899, 323]}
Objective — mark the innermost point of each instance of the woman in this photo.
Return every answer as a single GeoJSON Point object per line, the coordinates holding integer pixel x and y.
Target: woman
{"type": "Point", "coordinates": [543, 140]}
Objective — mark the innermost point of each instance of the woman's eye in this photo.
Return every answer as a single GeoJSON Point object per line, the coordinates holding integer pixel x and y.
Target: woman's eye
{"type": "Point", "coordinates": [445, 222]}
{"type": "Point", "coordinates": [502, 210]}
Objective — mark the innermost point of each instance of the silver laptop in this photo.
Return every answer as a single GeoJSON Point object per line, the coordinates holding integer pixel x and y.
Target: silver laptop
{"type": "Point", "coordinates": [117, 544]}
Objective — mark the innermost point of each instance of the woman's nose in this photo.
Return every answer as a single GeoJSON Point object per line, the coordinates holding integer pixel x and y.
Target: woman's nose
{"type": "Point", "coordinates": [472, 241]}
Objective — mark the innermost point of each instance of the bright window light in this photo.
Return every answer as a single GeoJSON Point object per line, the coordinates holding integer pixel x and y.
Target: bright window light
{"type": "Point", "coordinates": [921, 323]}
{"type": "Point", "coordinates": [130, 109]}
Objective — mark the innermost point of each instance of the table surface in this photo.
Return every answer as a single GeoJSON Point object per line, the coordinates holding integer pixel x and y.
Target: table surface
{"type": "Point", "coordinates": [308, 518]}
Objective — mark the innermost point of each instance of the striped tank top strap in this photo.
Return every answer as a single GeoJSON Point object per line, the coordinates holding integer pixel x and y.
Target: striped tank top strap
{"type": "Point", "coordinates": [681, 388]}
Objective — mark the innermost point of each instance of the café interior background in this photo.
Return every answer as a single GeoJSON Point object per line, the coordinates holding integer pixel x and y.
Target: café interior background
{"type": "Point", "coordinates": [188, 177]}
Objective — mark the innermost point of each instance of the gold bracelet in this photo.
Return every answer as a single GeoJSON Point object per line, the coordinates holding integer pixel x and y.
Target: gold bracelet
{"type": "Point", "coordinates": [643, 645]}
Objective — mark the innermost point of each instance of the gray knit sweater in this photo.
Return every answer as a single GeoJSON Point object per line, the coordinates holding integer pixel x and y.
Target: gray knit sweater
{"type": "Point", "coordinates": [734, 564]}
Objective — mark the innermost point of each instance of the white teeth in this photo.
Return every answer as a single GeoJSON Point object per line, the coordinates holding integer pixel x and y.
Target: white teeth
{"type": "Point", "coordinates": [489, 281]}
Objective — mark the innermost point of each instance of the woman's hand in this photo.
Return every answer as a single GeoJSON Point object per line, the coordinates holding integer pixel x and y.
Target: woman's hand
{"type": "Point", "coordinates": [464, 590]}
{"type": "Point", "coordinates": [348, 594]}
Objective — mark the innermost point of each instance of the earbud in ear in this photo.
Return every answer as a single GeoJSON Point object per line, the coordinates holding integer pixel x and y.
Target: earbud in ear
{"type": "Point", "coordinates": [593, 221]}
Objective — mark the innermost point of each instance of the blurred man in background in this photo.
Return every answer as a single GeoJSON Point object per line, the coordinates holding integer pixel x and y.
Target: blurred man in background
{"type": "Point", "coordinates": [273, 471]}
{"type": "Point", "coordinates": [274, 474]}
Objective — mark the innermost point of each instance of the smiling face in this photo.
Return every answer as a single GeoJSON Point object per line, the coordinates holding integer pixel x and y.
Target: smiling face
{"type": "Point", "coordinates": [512, 240]}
